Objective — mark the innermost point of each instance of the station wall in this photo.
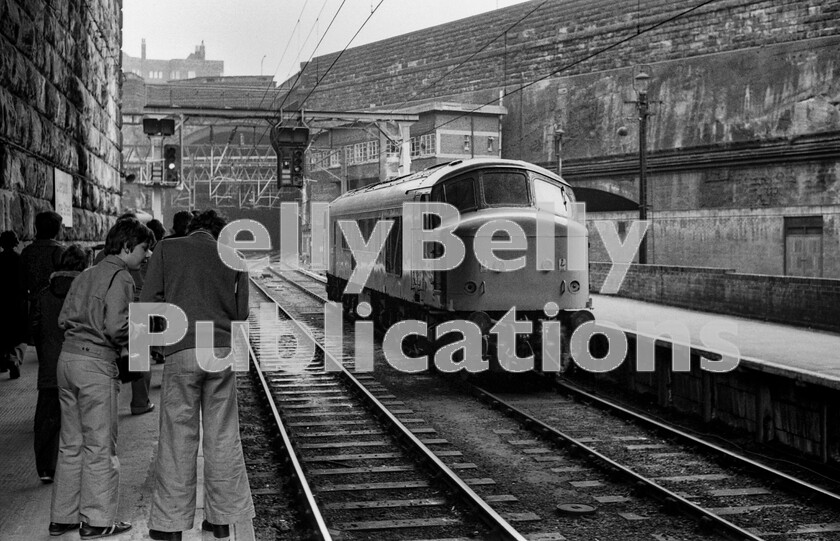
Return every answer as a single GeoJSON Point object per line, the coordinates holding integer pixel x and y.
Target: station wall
{"type": "Point", "coordinates": [732, 73]}
{"type": "Point", "coordinates": [744, 240]}
{"type": "Point", "coordinates": [60, 110]}
{"type": "Point", "coordinates": [792, 300]}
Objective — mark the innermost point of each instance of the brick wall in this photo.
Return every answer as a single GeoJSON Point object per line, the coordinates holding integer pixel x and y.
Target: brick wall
{"type": "Point", "coordinates": [556, 35]}
{"type": "Point", "coordinates": [59, 109]}
{"type": "Point", "coordinates": [810, 302]}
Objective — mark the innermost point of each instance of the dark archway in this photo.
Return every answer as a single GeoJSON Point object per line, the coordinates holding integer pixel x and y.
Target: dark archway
{"type": "Point", "coordinates": [601, 201]}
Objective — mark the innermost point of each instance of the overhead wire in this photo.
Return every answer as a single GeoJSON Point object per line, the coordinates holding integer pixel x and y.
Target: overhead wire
{"type": "Point", "coordinates": [621, 41]}
{"type": "Point", "coordinates": [566, 67]}
{"type": "Point", "coordinates": [473, 55]}
{"type": "Point", "coordinates": [336, 59]}
{"type": "Point", "coordinates": [283, 55]}
{"type": "Point", "coordinates": [300, 73]}
{"type": "Point", "coordinates": [278, 118]}
{"type": "Point", "coordinates": [306, 40]}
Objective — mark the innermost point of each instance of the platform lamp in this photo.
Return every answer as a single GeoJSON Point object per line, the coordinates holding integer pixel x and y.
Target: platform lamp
{"type": "Point", "coordinates": [641, 83]}
{"type": "Point", "coordinates": [558, 146]}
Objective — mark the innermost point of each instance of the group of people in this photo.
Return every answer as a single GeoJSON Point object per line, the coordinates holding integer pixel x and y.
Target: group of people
{"type": "Point", "coordinates": [79, 325]}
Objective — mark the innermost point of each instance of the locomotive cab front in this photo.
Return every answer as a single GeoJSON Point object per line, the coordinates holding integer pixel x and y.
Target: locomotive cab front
{"type": "Point", "coordinates": [524, 249]}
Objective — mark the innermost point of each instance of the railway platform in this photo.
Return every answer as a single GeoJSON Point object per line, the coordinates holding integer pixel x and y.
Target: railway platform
{"type": "Point", "coordinates": [25, 501]}
{"type": "Point", "coordinates": [784, 389]}
{"type": "Point", "coordinates": [801, 354]}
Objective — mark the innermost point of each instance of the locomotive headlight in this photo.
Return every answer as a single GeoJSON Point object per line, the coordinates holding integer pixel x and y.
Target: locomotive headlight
{"type": "Point", "coordinates": [470, 287]}
{"type": "Point", "coordinates": [574, 286]}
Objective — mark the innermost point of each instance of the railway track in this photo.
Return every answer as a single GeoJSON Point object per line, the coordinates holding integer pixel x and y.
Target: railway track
{"type": "Point", "coordinates": [305, 292]}
{"type": "Point", "coordinates": [364, 463]}
{"type": "Point", "coordinates": [724, 492]}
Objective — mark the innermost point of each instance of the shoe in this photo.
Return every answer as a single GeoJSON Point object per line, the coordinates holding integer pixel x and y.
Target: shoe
{"type": "Point", "coordinates": [220, 531]}
{"type": "Point", "coordinates": [14, 371]}
{"type": "Point", "coordinates": [59, 528]}
{"type": "Point", "coordinates": [149, 408]}
{"type": "Point", "coordinates": [165, 536]}
{"type": "Point", "coordinates": [95, 532]}
{"type": "Point", "coordinates": [46, 478]}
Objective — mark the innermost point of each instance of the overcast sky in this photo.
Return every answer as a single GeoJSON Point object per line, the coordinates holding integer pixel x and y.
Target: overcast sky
{"type": "Point", "coordinates": [252, 35]}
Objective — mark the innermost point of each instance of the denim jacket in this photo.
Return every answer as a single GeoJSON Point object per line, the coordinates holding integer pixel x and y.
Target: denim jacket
{"type": "Point", "coordinates": [95, 312]}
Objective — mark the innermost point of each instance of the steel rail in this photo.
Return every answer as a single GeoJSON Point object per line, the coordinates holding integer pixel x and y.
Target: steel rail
{"type": "Point", "coordinates": [705, 517]}
{"type": "Point", "coordinates": [318, 528]}
{"type": "Point", "coordinates": [459, 488]}
{"type": "Point", "coordinates": [790, 481]}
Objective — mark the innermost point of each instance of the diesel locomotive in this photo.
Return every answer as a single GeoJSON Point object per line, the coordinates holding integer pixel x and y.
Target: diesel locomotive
{"type": "Point", "coordinates": [524, 212]}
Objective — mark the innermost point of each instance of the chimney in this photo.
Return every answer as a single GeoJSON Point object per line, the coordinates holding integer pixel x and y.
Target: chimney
{"type": "Point", "coordinates": [199, 51]}
{"type": "Point", "coordinates": [143, 49]}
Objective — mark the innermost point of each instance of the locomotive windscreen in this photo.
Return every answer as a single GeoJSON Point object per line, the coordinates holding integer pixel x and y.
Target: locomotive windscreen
{"type": "Point", "coordinates": [504, 188]}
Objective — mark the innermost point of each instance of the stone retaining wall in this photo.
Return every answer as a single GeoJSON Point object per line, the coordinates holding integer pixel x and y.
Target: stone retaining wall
{"type": "Point", "coordinates": [60, 110]}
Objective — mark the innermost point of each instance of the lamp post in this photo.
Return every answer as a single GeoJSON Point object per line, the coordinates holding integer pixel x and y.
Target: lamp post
{"type": "Point", "coordinates": [558, 145]}
{"type": "Point", "coordinates": [640, 85]}
{"type": "Point", "coordinates": [261, 64]}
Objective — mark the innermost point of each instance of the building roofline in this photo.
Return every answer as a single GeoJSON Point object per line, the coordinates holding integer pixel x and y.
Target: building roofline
{"type": "Point", "coordinates": [456, 107]}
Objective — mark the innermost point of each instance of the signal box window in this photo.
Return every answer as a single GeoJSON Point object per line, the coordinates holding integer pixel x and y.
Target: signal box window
{"type": "Point", "coordinates": [504, 188]}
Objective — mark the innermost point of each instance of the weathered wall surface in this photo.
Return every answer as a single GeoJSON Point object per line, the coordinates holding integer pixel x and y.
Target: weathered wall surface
{"type": "Point", "coordinates": [544, 46]}
{"type": "Point", "coordinates": [778, 90]}
{"type": "Point", "coordinates": [748, 88]}
{"type": "Point", "coordinates": [59, 109]}
{"type": "Point", "coordinates": [810, 302]}
{"type": "Point", "coordinates": [737, 239]}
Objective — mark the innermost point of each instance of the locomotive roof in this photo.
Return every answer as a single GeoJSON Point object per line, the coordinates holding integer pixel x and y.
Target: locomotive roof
{"type": "Point", "coordinates": [393, 193]}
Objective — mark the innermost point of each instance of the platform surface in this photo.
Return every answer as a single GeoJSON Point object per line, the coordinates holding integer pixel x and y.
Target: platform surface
{"type": "Point", "coordinates": [803, 354]}
{"type": "Point", "coordinates": [25, 501]}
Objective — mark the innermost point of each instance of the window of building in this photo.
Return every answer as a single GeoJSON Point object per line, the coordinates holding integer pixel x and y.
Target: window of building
{"type": "Point", "coordinates": [335, 158]}
{"type": "Point", "coordinates": [392, 148]}
{"type": "Point", "coordinates": [191, 75]}
{"type": "Point", "coordinates": [323, 159]}
{"type": "Point", "coordinates": [423, 145]}
{"type": "Point", "coordinates": [360, 153]}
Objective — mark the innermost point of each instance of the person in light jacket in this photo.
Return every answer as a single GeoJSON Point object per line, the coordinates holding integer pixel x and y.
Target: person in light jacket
{"type": "Point", "coordinates": [95, 322]}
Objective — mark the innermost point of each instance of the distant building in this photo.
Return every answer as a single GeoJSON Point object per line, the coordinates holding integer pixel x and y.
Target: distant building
{"type": "Point", "coordinates": [163, 71]}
